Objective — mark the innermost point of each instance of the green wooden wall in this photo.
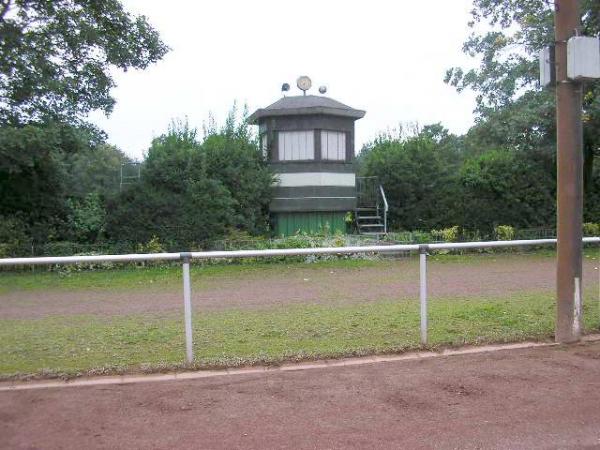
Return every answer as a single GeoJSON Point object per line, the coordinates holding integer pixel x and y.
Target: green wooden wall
{"type": "Point", "coordinates": [289, 223]}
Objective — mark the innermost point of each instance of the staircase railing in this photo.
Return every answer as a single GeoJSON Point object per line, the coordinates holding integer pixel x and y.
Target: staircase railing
{"type": "Point", "coordinates": [366, 191]}
{"type": "Point", "coordinates": [385, 208]}
{"type": "Point", "coordinates": [370, 194]}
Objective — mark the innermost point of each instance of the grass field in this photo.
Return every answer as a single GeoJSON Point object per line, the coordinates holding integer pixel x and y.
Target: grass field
{"type": "Point", "coordinates": [68, 345]}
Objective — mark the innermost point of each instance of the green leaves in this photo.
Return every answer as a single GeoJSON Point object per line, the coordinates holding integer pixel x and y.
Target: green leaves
{"type": "Point", "coordinates": [435, 180]}
{"type": "Point", "coordinates": [506, 38]}
{"type": "Point", "coordinates": [508, 187]}
{"type": "Point", "coordinates": [192, 190]}
{"type": "Point", "coordinates": [55, 57]}
{"type": "Point", "coordinates": [86, 217]}
{"type": "Point", "coordinates": [514, 113]}
{"type": "Point", "coordinates": [419, 175]}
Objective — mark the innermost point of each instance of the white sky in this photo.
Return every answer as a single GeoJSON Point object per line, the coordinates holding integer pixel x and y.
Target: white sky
{"type": "Point", "coordinates": [386, 57]}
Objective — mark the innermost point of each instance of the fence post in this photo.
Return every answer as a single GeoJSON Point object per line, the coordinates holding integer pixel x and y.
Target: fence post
{"type": "Point", "coordinates": [423, 290]}
{"type": "Point", "coordinates": [187, 306]}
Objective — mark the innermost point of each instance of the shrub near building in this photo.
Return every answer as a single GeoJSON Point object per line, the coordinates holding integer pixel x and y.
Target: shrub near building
{"type": "Point", "coordinates": [192, 191]}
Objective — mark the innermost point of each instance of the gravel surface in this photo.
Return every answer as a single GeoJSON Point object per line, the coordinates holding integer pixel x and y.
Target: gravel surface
{"type": "Point", "coordinates": [395, 279]}
{"type": "Point", "coordinates": [545, 397]}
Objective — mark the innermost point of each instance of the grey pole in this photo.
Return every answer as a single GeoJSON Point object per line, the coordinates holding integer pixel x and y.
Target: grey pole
{"type": "Point", "coordinates": [423, 291]}
{"type": "Point", "coordinates": [187, 306]}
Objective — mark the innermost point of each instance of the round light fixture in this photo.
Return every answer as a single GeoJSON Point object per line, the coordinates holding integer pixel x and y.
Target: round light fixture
{"type": "Point", "coordinates": [304, 83]}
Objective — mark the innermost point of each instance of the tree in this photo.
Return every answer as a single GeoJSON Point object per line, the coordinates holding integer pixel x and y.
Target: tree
{"type": "Point", "coordinates": [32, 176]}
{"type": "Point", "coordinates": [232, 156]}
{"type": "Point", "coordinates": [506, 79]}
{"type": "Point", "coordinates": [192, 191]}
{"type": "Point", "coordinates": [508, 187]}
{"type": "Point", "coordinates": [93, 170]}
{"type": "Point", "coordinates": [515, 31]}
{"type": "Point", "coordinates": [420, 177]}
{"type": "Point", "coordinates": [526, 124]}
{"type": "Point", "coordinates": [55, 57]}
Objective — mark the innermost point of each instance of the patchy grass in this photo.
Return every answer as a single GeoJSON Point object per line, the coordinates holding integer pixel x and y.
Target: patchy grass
{"type": "Point", "coordinates": [128, 276]}
{"type": "Point", "coordinates": [69, 346]}
{"type": "Point", "coordinates": [75, 345]}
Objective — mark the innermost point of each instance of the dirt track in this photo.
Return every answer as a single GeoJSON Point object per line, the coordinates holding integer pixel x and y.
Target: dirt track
{"type": "Point", "coordinates": [496, 276]}
{"type": "Point", "coordinates": [535, 398]}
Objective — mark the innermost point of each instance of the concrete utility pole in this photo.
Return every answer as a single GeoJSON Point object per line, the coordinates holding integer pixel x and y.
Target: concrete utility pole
{"type": "Point", "coordinates": [569, 180]}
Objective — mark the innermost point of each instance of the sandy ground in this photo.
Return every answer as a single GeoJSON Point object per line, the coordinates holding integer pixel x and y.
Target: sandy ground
{"type": "Point", "coordinates": [484, 276]}
{"type": "Point", "coordinates": [546, 397]}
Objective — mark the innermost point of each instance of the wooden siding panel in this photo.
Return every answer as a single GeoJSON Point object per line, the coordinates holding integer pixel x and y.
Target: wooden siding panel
{"type": "Point", "coordinates": [313, 204]}
{"type": "Point", "coordinates": [287, 224]}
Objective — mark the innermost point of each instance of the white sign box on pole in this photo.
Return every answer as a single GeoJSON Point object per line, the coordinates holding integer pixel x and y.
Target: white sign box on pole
{"type": "Point", "coordinates": [547, 74]}
{"type": "Point", "coordinates": [583, 58]}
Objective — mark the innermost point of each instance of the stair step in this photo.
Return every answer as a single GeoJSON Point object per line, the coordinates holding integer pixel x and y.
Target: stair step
{"type": "Point", "coordinates": [368, 218]}
{"type": "Point", "coordinates": [367, 208]}
{"type": "Point", "coordinates": [370, 225]}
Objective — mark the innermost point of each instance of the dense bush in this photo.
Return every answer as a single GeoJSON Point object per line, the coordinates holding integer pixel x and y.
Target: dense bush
{"type": "Point", "coordinates": [54, 180]}
{"type": "Point", "coordinates": [591, 229]}
{"type": "Point", "coordinates": [434, 181]}
{"type": "Point", "coordinates": [504, 233]}
{"type": "Point", "coordinates": [86, 217]}
{"type": "Point", "coordinates": [420, 177]}
{"type": "Point", "coordinates": [503, 186]}
{"type": "Point", "coordinates": [451, 234]}
{"type": "Point", "coordinates": [192, 191]}
{"type": "Point", "coordinates": [14, 237]}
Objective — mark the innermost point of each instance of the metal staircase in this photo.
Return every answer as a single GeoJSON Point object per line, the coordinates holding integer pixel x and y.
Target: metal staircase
{"type": "Point", "coordinates": [371, 207]}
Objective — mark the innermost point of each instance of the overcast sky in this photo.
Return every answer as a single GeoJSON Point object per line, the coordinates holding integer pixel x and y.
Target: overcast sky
{"type": "Point", "coordinates": [386, 57]}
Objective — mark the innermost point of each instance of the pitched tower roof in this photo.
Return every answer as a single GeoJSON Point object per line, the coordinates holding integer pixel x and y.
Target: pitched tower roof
{"type": "Point", "coordinates": [306, 104]}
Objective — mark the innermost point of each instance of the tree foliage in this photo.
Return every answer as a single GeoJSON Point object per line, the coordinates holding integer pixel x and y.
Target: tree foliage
{"type": "Point", "coordinates": [419, 174]}
{"type": "Point", "coordinates": [506, 79]}
{"type": "Point", "coordinates": [515, 30]}
{"type": "Point", "coordinates": [507, 187]}
{"type": "Point", "coordinates": [192, 191]}
{"type": "Point", "coordinates": [31, 176]}
{"type": "Point", "coordinates": [46, 173]}
{"type": "Point", "coordinates": [514, 112]}
{"type": "Point", "coordinates": [55, 57]}
{"type": "Point", "coordinates": [432, 184]}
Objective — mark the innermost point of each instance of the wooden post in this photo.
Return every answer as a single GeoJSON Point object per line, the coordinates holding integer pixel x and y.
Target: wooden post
{"type": "Point", "coordinates": [569, 181]}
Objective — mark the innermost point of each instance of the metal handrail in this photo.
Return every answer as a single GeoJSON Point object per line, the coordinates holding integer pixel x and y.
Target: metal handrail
{"type": "Point", "coordinates": [235, 254]}
{"type": "Point", "coordinates": [385, 208]}
{"type": "Point", "coordinates": [186, 257]}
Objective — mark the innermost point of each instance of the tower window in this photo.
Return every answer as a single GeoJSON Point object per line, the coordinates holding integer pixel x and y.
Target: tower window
{"type": "Point", "coordinates": [264, 145]}
{"type": "Point", "coordinates": [333, 145]}
{"type": "Point", "coordinates": [296, 145]}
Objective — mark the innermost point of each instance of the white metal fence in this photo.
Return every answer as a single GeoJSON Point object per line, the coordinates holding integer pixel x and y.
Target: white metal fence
{"type": "Point", "coordinates": [186, 257]}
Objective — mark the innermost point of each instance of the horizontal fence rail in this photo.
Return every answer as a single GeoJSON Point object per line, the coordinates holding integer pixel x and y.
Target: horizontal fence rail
{"type": "Point", "coordinates": [186, 257]}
